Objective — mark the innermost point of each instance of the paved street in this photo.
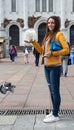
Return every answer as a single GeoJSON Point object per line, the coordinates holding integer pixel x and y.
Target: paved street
{"type": "Point", "coordinates": [31, 93]}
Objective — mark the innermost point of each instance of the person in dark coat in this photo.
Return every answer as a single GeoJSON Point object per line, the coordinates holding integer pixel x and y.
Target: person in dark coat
{"type": "Point", "coordinates": [12, 53]}
{"type": "Point", "coordinates": [37, 55]}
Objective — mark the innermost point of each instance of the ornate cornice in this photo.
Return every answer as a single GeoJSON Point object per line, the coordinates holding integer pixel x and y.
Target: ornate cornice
{"type": "Point", "coordinates": [67, 23]}
{"type": "Point", "coordinates": [32, 20]}
{"type": "Point", "coordinates": [21, 21]}
{"type": "Point", "coordinates": [7, 21]}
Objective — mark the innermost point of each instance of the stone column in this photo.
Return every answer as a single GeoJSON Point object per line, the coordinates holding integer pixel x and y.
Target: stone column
{"type": "Point", "coordinates": [63, 13]}
{"type": "Point", "coordinates": [2, 32]}
{"type": "Point", "coordinates": [0, 12]}
{"type": "Point", "coordinates": [25, 17]}
{"type": "Point", "coordinates": [25, 13]}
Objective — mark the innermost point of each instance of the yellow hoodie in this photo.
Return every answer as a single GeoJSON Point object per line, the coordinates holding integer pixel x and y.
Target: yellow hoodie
{"type": "Point", "coordinates": [55, 57]}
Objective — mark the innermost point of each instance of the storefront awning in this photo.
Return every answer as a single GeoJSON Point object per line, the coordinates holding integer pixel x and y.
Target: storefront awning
{"type": "Point", "coordinates": [2, 40]}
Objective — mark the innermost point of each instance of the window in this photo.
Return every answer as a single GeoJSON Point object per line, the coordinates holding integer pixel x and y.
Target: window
{"type": "Point", "coordinates": [73, 6]}
{"type": "Point", "coordinates": [13, 5]}
{"type": "Point", "coordinates": [50, 5]}
{"type": "Point", "coordinates": [37, 5]}
{"type": "Point", "coordinates": [44, 5]}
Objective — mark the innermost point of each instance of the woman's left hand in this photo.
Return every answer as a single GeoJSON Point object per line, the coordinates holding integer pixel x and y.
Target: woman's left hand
{"type": "Point", "coordinates": [47, 55]}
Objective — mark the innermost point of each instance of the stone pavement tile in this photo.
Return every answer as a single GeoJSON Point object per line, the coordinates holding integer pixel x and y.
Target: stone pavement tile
{"type": "Point", "coordinates": [38, 97]}
{"type": "Point", "coordinates": [65, 124]}
{"type": "Point", "coordinates": [2, 96]}
{"type": "Point", "coordinates": [67, 106]}
{"type": "Point", "coordinates": [40, 125]}
{"type": "Point", "coordinates": [13, 101]}
{"type": "Point", "coordinates": [24, 123]}
{"type": "Point", "coordinates": [64, 91]}
{"type": "Point", "coordinates": [7, 120]}
{"type": "Point", "coordinates": [23, 90]}
{"type": "Point", "coordinates": [37, 101]}
{"type": "Point", "coordinates": [67, 101]}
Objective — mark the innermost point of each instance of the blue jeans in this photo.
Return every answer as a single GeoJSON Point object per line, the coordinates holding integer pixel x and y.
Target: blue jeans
{"type": "Point", "coordinates": [37, 59]}
{"type": "Point", "coordinates": [52, 74]}
{"type": "Point", "coordinates": [13, 58]}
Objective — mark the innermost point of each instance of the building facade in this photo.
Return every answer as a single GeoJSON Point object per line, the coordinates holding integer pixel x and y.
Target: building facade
{"type": "Point", "coordinates": [16, 16]}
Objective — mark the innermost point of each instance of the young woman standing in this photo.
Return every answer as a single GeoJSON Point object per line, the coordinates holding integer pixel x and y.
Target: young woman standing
{"type": "Point", "coordinates": [52, 63]}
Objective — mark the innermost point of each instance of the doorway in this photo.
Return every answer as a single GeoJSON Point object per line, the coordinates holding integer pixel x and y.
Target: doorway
{"type": "Point", "coordinates": [72, 35]}
{"type": "Point", "coordinates": [14, 34]}
{"type": "Point", "coordinates": [41, 32]}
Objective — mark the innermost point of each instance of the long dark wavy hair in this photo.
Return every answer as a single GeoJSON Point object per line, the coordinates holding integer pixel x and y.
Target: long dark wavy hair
{"type": "Point", "coordinates": [56, 28]}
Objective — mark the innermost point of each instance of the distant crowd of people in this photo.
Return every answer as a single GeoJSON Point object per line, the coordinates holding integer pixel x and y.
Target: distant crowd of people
{"type": "Point", "coordinates": [26, 52]}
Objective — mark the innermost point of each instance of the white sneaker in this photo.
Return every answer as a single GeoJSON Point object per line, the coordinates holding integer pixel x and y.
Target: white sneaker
{"type": "Point", "coordinates": [51, 119]}
{"type": "Point", "coordinates": [49, 115]}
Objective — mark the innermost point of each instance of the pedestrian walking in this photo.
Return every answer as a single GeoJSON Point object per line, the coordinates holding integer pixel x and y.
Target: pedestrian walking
{"type": "Point", "coordinates": [64, 60]}
{"type": "Point", "coordinates": [26, 54]}
{"type": "Point", "coordinates": [37, 56]}
{"type": "Point", "coordinates": [12, 53]}
{"type": "Point", "coordinates": [52, 62]}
